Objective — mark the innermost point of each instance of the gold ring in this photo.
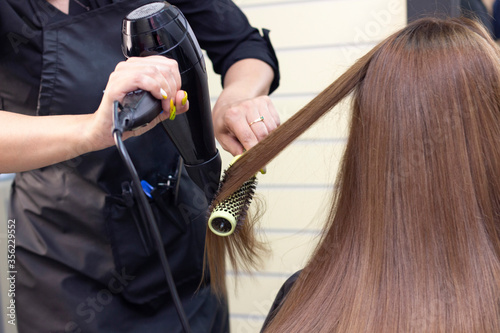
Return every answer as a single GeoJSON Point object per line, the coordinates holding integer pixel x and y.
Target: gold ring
{"type": "Point", "coordinates": [261, 118]}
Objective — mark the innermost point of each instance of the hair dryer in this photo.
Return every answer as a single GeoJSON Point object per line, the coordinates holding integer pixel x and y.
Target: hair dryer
{"type": "Point", "coordinates": [160, 28]}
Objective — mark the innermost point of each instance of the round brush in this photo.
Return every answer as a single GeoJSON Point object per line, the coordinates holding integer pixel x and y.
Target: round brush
{"type": "Point", "coordinates": [232, 211]}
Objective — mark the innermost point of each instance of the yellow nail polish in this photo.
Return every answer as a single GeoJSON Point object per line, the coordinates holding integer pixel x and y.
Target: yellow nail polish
{"type": "Point", "coordinates": [185, 98]}
{"type": "Point", "coordinates": [163, 93]}
{"type": "Point", "coordinates": [173, 110]}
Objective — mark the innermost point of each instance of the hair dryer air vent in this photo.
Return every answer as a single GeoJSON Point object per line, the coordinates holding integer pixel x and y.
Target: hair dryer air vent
{"type": "Point", "coordinates": [160, 28]}
{"type": "Point", "coordinates": [145, 11]}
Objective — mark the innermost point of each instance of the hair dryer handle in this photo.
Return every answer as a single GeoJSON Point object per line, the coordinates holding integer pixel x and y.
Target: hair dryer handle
{"type": "Point", "coordinates": [138, 109]}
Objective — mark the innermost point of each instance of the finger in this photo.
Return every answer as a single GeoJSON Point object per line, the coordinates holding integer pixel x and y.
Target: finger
{"type": "Point", "coordinates": [259, 127]}
{"type": "Point", "coordinates": [170, 82]}
{"type": "Point", "coordinates": [168, 85]}
{"type": "Point", "coordinates": [157, 86]}
{"type": "Point", "coordinates": [245, 135]}
{"type": "Point", "coordinates": [167, 66]}
{"type": "Point", "coordinates": [127, 79]}
{"type": "Point", "coordinates": [182, 101]}
{"type": "Point", "coordinates": [264, 123]}
{"type": "Point", "coordinates": [272, 116]}
{"type": "Point", "coordinates": [268, 112]}
{"type": "Point", "coordinates": [176, 105]}
{"type": "Point", "coordinates": [162, 69]}
{"type": "Point", "coordinates": [231, 144]}
{"type": "Point", "coordinates": [170, 70]}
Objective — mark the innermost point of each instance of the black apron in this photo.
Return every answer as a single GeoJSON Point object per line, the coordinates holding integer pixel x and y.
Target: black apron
{"type": "Point", "coordinates": [85, 260]}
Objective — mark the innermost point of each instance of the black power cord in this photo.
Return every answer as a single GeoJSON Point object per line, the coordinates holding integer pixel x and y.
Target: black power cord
{"type": "Point", "coordinates": [143, 202]}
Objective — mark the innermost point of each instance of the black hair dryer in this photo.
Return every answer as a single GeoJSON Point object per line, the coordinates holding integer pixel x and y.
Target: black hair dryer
{"type": "Point", "coordinates": [160, 28]}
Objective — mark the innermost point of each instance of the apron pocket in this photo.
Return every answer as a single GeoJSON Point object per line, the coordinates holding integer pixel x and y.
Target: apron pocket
{"type": "Point", "coordinates": [134, 249]}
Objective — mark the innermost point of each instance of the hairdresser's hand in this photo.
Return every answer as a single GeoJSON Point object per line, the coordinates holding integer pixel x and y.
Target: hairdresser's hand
{"type": "Point", "coordinates": [243, 101]}
{"type": "Point", "coordinates": [233, 123]}
{"type": "Point", "coordinates": [52, 139]}
{"type": "Point", "coordinates": [156, 74]}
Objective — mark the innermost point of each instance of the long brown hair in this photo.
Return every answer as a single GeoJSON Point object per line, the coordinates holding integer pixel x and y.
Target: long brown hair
{"type": "Point", "coordinates": [412, 242]}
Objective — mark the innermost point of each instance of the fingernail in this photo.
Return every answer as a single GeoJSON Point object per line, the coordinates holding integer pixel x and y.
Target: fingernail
{"type": "Point", "coordinates": [163, 93]}
{"type": "Point", "coordinates": [185, 99]}
{"type": "Point", "coordinates": [173, 110]}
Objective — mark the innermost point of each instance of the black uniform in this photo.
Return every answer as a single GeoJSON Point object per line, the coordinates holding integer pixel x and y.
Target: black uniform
{"type": "Point", "coordinates": [280, 298]}
{"type": "Point", "coordinates": [84, 262]}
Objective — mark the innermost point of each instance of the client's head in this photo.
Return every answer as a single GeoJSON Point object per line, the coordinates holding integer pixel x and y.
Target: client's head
{"type": "Point", "coordinates": [413, 234]}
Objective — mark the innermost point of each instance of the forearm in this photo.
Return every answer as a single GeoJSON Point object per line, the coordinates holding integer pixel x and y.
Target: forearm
{"type": "Point", "coordinates": [243, 100]}
{"type": "Point", "coordinates": [247, 78]}
{"type": "Point", "coordinates": [28, 142]}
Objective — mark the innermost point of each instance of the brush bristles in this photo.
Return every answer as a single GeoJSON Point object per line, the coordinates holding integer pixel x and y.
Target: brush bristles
{"type": "Point", "coordinates": [230, 213]}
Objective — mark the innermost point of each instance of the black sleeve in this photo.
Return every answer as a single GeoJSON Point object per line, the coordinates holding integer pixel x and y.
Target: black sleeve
{"type": "Point", "coordinates": [476, 10]}
{"type": "Point", "coordinates": [280, 297]}
{"type": "Point", "coordinates": [496, 19]}
{"type": "Point", "coordinates": [224, 32]}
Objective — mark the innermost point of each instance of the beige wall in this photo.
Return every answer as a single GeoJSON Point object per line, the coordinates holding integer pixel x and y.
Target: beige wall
{"type": "Point", "coordinates": [315, 41]}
